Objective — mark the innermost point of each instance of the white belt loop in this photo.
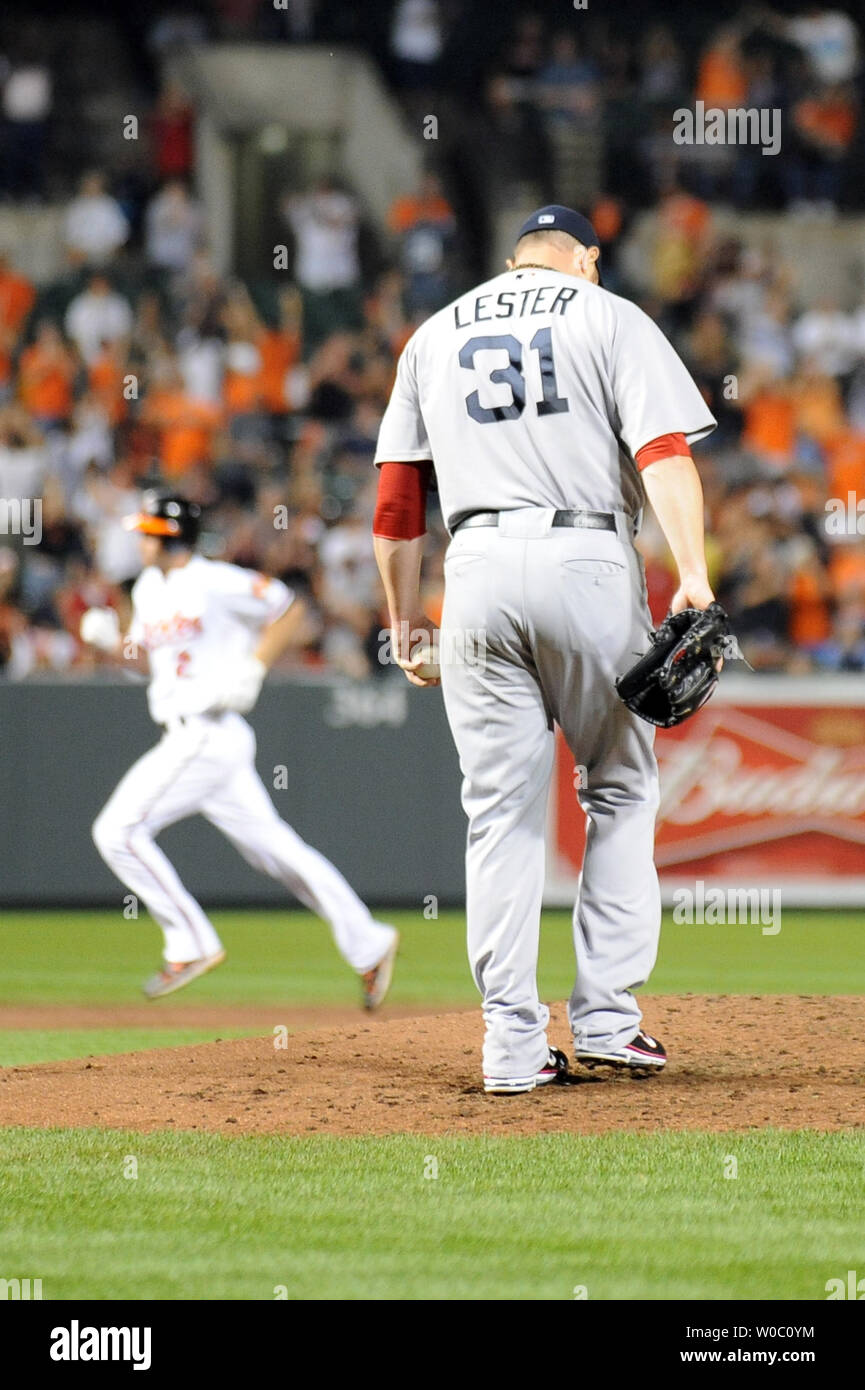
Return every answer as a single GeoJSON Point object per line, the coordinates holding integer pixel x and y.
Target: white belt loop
{"type": "Point", "coordinates": [627, 526]}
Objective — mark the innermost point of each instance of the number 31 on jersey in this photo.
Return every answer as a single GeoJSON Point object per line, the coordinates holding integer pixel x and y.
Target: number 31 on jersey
{"type": "Point", "coordinates": [551, 402]}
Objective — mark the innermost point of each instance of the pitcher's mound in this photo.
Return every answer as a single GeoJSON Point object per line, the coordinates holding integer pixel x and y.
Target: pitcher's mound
{"type": "Point", "coordinates": [735, 1063]}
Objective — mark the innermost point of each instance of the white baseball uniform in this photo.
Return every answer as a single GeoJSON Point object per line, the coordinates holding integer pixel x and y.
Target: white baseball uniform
{"type": "Point", "coordinates": [531, 394]}
{"type": "Point", "coordinates": [195, 622]}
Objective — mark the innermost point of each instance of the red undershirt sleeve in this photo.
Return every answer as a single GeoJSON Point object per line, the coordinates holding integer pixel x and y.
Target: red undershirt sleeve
{"type": "Point", "coordinates": [400, 509]}
{"type": "Point", "coordinates": [664, 447]}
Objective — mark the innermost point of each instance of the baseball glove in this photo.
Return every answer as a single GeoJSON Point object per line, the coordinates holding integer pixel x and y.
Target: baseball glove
{"type": "Point", "coordinates": [680, 670]}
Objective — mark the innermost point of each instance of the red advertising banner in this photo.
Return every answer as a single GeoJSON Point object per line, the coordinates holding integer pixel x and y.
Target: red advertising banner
{"type": "Point", "coordinates": [765, 786]}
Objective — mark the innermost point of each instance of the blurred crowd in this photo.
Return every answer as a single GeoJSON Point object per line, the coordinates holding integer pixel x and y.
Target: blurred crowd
{"type": "Point", "coordinates": [601, 104]}
{"type": "Point", "coordinates": [143, 363]}
{"type": "Point", "coordinates": [545, 93]}
{"type": "Point", "coordinates": [146, 366]}
{"type": "Point", "coordinates": [785, 469]}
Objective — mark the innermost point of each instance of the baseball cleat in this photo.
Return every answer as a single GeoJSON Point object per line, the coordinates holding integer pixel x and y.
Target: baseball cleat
{"type": "Point", "coordinates": [376, 982]}
{"type": "Point", "coordinates": [554, 1069]}
{"type": "Point", "coordinates": [175, 974]}
{"type": "Point", "coordinates": [642, 1055]}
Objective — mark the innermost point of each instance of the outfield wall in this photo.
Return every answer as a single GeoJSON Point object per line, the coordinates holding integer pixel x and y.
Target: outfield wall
{"type": "Point", "coordinates": [765, 787]}
{"type": "Point", "coordinates": [370, 778]}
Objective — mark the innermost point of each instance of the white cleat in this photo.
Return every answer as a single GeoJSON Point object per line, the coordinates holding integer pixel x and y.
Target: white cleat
{"type": "Point", "coordinates": [554, 1069]}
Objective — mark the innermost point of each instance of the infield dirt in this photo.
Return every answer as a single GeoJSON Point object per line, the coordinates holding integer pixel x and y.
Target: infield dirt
{"type": "Point", "coordinates": [735, 1063]}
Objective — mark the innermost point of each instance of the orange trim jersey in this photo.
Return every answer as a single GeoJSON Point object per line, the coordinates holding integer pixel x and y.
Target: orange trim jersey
{"type": "Point", "coordinates": [195, 622]}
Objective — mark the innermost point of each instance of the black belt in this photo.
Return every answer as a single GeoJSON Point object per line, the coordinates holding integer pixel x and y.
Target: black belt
{"type": "Point", "coordinates": [590, 521]}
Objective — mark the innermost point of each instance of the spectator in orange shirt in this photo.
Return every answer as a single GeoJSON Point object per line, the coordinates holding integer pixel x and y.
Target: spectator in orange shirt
{"type": "Point", "coordinates": [810, 594]}
{"type": "Point", "coordinates": [259, 359]}
{"type": "Point", "coordinates": [106, 380]}
{"type": "Point", "coordinates": [17, 296]}
{"type": "Point", "coordinates": [770, 420]}
{"type": "Point", "coordinates": [824, 125]}
{"type": "Point", "coordinates": [46, 375]}
{"type": "Point", "coordinates": [240, 384]}
{"type": "Point", "coordinates": [817, 406]}
{"type": "Point", "coordinates": [185, 427]}
{"type": "Point", "coordinates": [280, 351]}
{"type": "Point", "coordinates": [721, 77]}
{"type": "Point", "coordinates": [845, 463]}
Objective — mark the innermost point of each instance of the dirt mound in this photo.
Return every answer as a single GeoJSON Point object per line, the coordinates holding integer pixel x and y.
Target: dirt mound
{"type": "Point", "coordinates": [736, 1063]}
{"type": "Point", "coordinates": [169, 1013]}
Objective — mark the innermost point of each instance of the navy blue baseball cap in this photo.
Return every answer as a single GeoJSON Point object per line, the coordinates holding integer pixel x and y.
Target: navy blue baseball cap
{"type": "Point", "coordinates": [555, 218]}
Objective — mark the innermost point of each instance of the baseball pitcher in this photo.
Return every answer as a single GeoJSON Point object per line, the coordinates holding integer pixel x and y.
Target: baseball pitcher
{"type": "Point", "coordinates": [210, 631]}
{"type": "Point", "coordinates": [549, 409]}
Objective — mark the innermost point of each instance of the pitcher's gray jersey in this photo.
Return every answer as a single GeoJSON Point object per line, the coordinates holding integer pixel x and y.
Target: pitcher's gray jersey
{"type": "Point", "coordinates": [538, 389]}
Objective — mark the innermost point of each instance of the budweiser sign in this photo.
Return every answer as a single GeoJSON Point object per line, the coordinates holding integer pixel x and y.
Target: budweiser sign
{"type": "Point", "coordinates": [751, 791]}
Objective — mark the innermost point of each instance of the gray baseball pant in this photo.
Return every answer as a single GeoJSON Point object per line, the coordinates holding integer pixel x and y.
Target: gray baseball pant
{"type": "Point", "coordinates": [537, 623]}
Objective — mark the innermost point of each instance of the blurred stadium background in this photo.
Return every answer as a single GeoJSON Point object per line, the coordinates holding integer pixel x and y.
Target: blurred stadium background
{"type": "Point", "coordinates": [219, 224]}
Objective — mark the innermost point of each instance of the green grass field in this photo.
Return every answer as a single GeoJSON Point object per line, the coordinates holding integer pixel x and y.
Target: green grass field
{"type": "Point", "coordinates": [97, 957]}
{"type": "Point", "coordinates": [622, 1216]}
{"type": "Point", "coordinates": [626, 1216]}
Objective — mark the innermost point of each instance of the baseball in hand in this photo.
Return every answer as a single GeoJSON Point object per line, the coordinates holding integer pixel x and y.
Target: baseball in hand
{"type": "Point", "coordinates": [424, 662]}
